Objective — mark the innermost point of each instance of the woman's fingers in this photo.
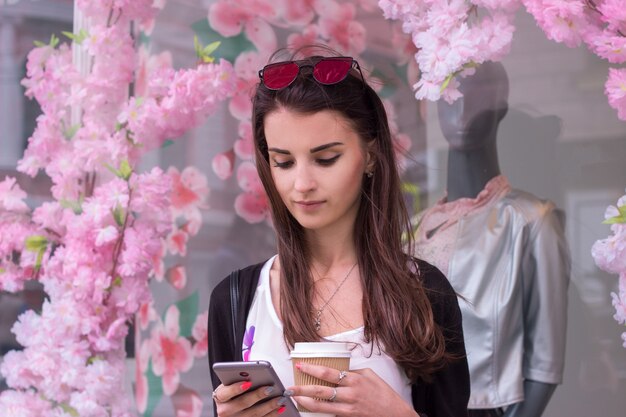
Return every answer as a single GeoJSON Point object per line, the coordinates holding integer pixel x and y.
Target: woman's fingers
{"type": "Point", "coordinates": [324, 372]}
{"type": "Point", "coordinates": [245, 404]}
{"type": "Point", "coordinates": [224, 393]}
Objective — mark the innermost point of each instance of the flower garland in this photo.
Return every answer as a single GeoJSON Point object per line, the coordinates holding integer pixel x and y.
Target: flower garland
{"type": "Point", "coordinates": [610, 255]}
{"type": "Point", "coordinates": [454, 36]}
{"type": "Point", "coordinates": [96, 244]}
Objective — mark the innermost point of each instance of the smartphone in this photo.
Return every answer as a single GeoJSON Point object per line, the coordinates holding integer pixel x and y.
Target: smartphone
{"type": "Point", "coordinates": [260, 374]}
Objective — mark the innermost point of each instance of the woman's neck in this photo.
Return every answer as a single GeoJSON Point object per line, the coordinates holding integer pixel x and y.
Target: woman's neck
{"type": "Point", "coordinates": [331, 250]}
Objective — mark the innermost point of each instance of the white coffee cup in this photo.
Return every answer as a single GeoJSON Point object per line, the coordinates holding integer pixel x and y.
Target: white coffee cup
{"type": "Point", "coordinates": [332, 354]}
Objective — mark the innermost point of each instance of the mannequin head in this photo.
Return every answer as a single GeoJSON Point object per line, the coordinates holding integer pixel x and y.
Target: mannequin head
{"type": "Point", "coordinates": [471, 122]}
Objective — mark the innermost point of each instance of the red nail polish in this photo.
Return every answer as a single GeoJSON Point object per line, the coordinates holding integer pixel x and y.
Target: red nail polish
{"type": "Point", "coordinates": [298, 365]}
{"type": "Point", "coordinates": [282, 409]}
{"type": "Point", "coordinates": [246, 386]}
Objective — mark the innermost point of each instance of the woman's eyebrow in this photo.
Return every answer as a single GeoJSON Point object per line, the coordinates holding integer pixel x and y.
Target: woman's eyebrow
{"type": "Point", "coordinates": [277, 150]}
{"type": "Point", "coordinates": [325, 146]}
{"type": "Point", "coordinates": [313, 150]}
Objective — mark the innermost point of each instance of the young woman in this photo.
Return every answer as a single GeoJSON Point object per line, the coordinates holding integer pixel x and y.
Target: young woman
{"type": "Point", "coordinates": [326, 159]}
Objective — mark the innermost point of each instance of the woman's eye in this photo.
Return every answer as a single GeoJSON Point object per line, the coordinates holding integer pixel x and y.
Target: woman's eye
{"type": "Point", "coordinates": [328, 161]}
{"type": "Point", "coordinates": [283, 165]}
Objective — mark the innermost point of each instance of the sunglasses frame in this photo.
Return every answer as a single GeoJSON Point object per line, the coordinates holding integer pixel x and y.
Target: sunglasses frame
{"type": "Point", "coordinates": [308, 64]}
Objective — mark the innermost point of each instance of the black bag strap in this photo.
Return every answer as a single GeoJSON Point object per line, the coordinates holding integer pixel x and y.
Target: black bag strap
{"type": "Point", "coordinates": [234, 303]}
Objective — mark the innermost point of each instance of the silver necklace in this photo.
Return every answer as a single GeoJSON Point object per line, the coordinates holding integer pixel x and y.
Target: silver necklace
{"type": "Point", "coordinates": [317, 321]}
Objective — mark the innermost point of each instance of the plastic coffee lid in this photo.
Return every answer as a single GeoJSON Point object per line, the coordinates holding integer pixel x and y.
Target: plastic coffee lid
{"type": "Point", "coordinates": [320, 349]}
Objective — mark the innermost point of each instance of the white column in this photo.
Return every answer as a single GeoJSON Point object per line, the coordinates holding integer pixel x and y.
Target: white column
{"type": "Point", "coordinates": [11, 98]}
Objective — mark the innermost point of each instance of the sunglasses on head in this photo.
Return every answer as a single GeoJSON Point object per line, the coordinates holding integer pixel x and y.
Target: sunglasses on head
{"type": "Point", "coordinates": [326, 71]}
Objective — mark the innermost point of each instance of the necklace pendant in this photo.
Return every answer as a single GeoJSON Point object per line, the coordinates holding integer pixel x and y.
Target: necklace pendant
{"type": "Point", "coordinates": [317, 322]}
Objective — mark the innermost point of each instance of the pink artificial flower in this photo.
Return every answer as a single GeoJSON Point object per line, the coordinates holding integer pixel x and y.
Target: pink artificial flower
{"type": "Point", "coordinates": [106, 235]}
{"type": "Point", "coordinates": [223, 164]}
{"type": "Point", "coordinates": [190, 190]}
{"type": "Point", "coordinates": [310, 35]}
{"type": "Point", "coordinates": [187, 402]}
{"type": "Point", "coordinates": [229, 18]}
{"type": "Point", "coordinates": [200, 334]}
{"type": "Point", "coordinates": [495, 34]}
{"type": "Point", "coordinates": [177, 277]}
{"type": "Point", "coordinates": [246, 69]}
{"type": "Point", "coordinates": [615, 89]}
{"type": "Point", "coordinates": [337, 24]}
{"type": "Point", "coordinates": [244, 146]}
{"type": "Point", "coordinates": [142, 358]}
{"type": "Point", "coordinates": [609, 46]}
{"type": "Point", "coordinates": [252, 205]}
{"type": "Point", "coordinates": [399, 9]}
{"type": "Point", "coordinates": [619, 300]}
{"type": "Point", "coordinates": [562, 21]}
{"type": "Point", "coordinates": [614, 13]}
{"type": "Point", "coordinates": [146, 314]}
{"type": "Point", "coordinates": [177, 242]}
{"type": "Point", "coordinates": [299, 13]}
{"type": "Point", "coordinates": [12, 196]}
{"type": "Point", "coordinates": [261, 34]}
{"type": "Point", "coordinates": [171, 353]}
{"type": "Point", "coordinates": [23, 404]}
{"type": "Point", "coordinates": [148, 65]}
{"type": "Point", "coordinates": [158, 266]}
{"type": "Point", "coordinates": [140, 389]}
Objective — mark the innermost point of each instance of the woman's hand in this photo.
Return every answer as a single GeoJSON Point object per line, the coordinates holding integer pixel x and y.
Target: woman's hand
{"type": "Point", "coordinates": [360, 393]}
{"type": "Point", "coordinates": [245, 403]}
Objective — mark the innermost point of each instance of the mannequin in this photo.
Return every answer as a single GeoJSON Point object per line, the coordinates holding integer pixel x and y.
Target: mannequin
{"type": "Point", "coordinates": [505, 254]}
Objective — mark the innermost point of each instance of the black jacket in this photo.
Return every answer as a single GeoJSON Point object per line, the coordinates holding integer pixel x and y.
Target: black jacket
{"type": "Point", "coordinates": [446, 396]}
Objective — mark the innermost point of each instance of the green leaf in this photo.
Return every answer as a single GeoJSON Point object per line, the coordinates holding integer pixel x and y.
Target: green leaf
{"type": "Point", "coordinates": [119, 214]}
{"type": "Point", "coordinates": [125, 170]}
{"type": "Point", "coordinates": [69, 410]}
{"type": "Point", "coordinates": [39, 44]}
{"type": "Point", "coordinates": [620, 218]}
{"type": "Point", "coordinates": [69, 34]}
{"type": "Point", "coordinates": [40, 255]}
{"type": "Point", "coordinates": [230, 47]}
{"type": "Point", "coordinates": [71, 131]}
{"type": "Point", "coordinates": [54, 41]}
{"type": "Point", "coordinates": [188, 308]}
{"type": "Point", "coordinates": [77, 37]}
{"type": "Point", "coordinates": [155, 391]}
{"type": "Point", "coordinates": [74, 205]}
{"type": "Point", "coordinates": [93, 359]}
{"type": "Point", "coordinates": [113, 170]}
{"type": "Point", "coordinates": [446, 82]}
{"type": "Point", "coordinates": [117, 282]}
{"type": "Point", "coordinates": [615, 220]}
{"type": "Point", "coordinates": [167, 143]}
{"type": "Point", "coordinates": [36, 243]}
{"type": "Point", "coordinates": [2, 270]}
{"type": "Point", "coordinates": [210, 48]}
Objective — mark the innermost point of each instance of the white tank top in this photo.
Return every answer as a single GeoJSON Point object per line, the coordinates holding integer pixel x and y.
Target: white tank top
{"type": "Point", "coordinates": [263, 340]}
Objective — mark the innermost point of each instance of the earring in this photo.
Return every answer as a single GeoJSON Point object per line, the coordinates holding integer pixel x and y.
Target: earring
{"type": "Point", "coordinates": [369, 174]}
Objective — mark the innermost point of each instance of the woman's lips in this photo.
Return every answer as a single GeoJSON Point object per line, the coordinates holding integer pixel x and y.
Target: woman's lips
{"type": "Point", "coordinates": [309, 205]}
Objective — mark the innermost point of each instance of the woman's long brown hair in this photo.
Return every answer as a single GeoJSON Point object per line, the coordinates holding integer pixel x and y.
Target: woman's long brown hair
{"type": "Point", "coordinates": [396, 310]}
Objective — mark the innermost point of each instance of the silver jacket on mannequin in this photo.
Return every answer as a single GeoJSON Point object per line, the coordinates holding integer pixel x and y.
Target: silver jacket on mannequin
{"type": "Point", "coordinates": [510, 265]}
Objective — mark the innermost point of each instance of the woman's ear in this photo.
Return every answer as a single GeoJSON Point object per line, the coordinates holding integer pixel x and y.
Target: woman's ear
{"type": "Point", "coordinates": [370, 157]}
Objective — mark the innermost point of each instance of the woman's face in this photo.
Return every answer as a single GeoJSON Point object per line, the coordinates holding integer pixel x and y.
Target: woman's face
{"type": "Point", "coordinates": [317, 162]}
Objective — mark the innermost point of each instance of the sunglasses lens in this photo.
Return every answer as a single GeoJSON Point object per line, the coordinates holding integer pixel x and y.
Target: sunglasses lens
{"type": "Point", "coordinates": [332, 71]}
{"type": "Point", "coordinates": [280, 75]}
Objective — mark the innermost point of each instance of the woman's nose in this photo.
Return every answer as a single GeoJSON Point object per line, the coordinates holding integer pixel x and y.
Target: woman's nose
{"type": "Point", "coordinates": [304, 180]}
